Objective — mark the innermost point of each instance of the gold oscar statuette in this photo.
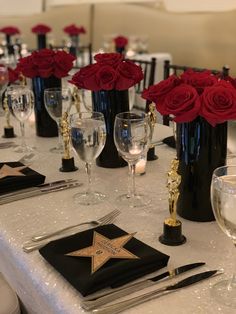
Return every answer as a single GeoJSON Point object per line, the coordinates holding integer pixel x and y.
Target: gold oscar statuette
{"type": "Point", "coordinates": [172, 234]}
{"type": "Point", "coordinates": [152, 122]}
{"type": "Point", "coordinates": [8, 128]}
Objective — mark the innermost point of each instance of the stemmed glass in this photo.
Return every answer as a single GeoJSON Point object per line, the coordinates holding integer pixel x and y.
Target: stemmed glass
{"type": "Point", "coordinates": [223, 198]}
{"type": "Point", "coordinates": [131, 136]}
{"type": "Point", "coordinates": [57, 101]}
{"type": "Point", "coordinates": [20, 100]}
{"type": "Point", "coordinates": [4, 79]}
{"type": "Point", "coordinates": [88, 136]}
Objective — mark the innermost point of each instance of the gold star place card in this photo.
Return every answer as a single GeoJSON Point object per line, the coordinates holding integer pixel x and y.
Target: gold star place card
{"type": "Point", "coordinates": [7, 171]}
{"type": "Point", "coordinates": [104, 249]}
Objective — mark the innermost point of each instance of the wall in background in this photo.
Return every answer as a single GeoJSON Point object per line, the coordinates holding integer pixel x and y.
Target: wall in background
{"type": "Point", "coordinates": [195, 39]}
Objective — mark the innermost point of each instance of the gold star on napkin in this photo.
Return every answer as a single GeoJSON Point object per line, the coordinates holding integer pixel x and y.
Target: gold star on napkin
{"type": "Point", "coordinates": [7, 171]}
{"type": "Point", "coordinates": [104, 248]}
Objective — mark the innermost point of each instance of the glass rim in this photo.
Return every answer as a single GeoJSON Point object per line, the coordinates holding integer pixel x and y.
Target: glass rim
{"type": "Point", "coordinates": [87, 113]}
{"type": "Point", "coordinates": [139, 116]}
{"type": "Point", "coordinates": [218, 169]}
{"type": "Point", "coordinates": [55, 89]}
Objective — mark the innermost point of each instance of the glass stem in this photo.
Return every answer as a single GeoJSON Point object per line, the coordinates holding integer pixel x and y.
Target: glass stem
{"type": "Point", "coordinates": [233, 280]}
{"type": "Point", "coordinates": [132, 189]}
{"type": "Point", "coordinates": [22, 130]}
{"type": "Point", "coordinates": [88, 166]}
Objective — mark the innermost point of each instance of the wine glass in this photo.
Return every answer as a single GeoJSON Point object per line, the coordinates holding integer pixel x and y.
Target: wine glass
{"type": "Point", "coordinates": [223, 198]}
{"type": "Point", "coordinates": [57, 101]}
{"type": "Point", "coordinates": [4, 79]}
{"type": "Point", "coordinates": [88, 136]}
{"type": "Point", "coordinates": [20, 100]}
{"type": "Point", "coordinates": [131, 137]}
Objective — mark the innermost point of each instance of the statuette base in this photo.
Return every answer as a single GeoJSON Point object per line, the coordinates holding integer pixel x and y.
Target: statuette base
{"type": "Point", "coordinates": [68, 165]}
{"type": "Point", "coordinates": [9, 132]}
{"type": "Point", "coordinates": [172, 233]}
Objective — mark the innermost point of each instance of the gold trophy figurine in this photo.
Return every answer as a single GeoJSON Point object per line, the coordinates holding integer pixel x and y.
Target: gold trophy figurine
{"type": "Point", "coordinates": [172, 234]}
{"type": "Point", "coordinates": [67, 161]}
{"type": "Point", "coordinates": [153, 119]}
{"type": "Point", "coordinates": [8, 128]}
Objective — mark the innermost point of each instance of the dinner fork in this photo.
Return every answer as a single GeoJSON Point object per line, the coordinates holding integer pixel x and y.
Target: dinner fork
{"type": "Point", "coordinates": [101, 221]}
{"type": "Point", "coordinates": [37, 244]}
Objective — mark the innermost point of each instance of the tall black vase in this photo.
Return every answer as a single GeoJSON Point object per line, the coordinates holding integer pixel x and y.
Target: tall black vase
{"type": "Point", "coordinates": [41, 41]}
{"type": "Point", "coordinates": [45, 125]}
{"type": "Point", "coordinates": [110, 103]}
{"type": "Point", "coordinates": [10, 47]}
{"type": "Point", "coordinates": [200, 149]}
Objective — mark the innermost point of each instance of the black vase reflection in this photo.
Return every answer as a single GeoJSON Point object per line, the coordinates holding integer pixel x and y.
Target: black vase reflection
{"type": "Point", "coordinates": [110, 103]}
{"type": "Point", "coordinates": [201, 148]}
{"type": "Point", "coordinates": [45, 125]}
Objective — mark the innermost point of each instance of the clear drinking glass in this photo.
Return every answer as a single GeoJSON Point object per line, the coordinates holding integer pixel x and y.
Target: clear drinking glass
{"type": "Point", "coordinates": [4, 79]}
{"type": "Point", "coordinates": [223, 199]}
{"type": "Point", "coordinates": [57, 101]}
{"type": "Point", "coordinates": [131, 136]}
{"type": "Point", "coordinates": [88, 137]}
{"type": "Point", "coordinates": [20, 100]}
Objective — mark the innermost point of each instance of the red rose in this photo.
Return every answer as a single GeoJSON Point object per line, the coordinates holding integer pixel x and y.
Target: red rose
{"type": "Point", "coordinates": [13, 75]}
{"type": "Point", "coordinates": [43, 59]}
{"type": "Point", "coordinates": [156, 92]}
{"type": "Point", "coordinates": [63, 62]}
{"type": "Point", "coordinates": [86, 78]}
{"type": "Point", "coordinates": [106, 76]}
{"type": "Point", "coordinates": [74, 30]}
{"type": "Point", "coordinates": [218, 103]}
{"type": "Point", "coordinates": [199, 80]}
{"type": "Point", "coordinates": [182, 102]}
{"type": "Point", "coordinates": [129, 74]}
{"type": "Point", "coordinates": [10, 30]}
{"type": "Point", "coordinates": [41, 29]}
{"type": "Point", "coordinates": [121, 41]}
{"type": "Point", "coordinates": [27, 67]}
{"type": "Point", "coordinates": [112, 59]}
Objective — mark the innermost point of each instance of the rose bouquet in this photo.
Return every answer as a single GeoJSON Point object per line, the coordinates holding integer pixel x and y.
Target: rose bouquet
{"type": "Point", "coordinates": [195, 94]}
{"type": "Point", "coordinates": [110, 72]}
{"type": "Point", "coordinates": [41, 29]}
{"type": "Point", "coordinates": [120, 41]}
{"type": "Point", "coordinates": [45, 63]}
{"type": "Point", "coordinates": [73, 30]}
{"type": "Point", "coordinates": [10, 30]}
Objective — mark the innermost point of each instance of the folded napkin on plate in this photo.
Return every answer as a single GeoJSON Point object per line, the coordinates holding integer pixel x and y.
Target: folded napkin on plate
{"type": "Point", "coordinates": [170, 141]}
{"type": "Point", "coordinates": [115, 272]}
{"type": "Point", "coordinates": [16, 176]}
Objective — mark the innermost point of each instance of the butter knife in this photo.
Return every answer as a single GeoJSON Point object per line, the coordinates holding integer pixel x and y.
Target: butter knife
{"type": "Point", "coordinates": [123, 305]}
{"type": "Point", "coordinates": [63, 186]}
{"type": "Point", "coordinates": [108, 296]}
{"type": "Point", "coordinates": [38, 187]}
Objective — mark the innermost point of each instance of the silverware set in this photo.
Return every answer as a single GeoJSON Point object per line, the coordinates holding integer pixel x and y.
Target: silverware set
{"type": "Point", "coordinates": [38, 241]}
{"type": "Point", "coordinates": [39, 190]}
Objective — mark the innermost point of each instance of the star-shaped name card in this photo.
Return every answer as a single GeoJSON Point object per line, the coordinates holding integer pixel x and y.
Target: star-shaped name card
{"type": "Point", "coordinates": [15, 176]}
{"type": "Point", "coordinates": [102, 257]}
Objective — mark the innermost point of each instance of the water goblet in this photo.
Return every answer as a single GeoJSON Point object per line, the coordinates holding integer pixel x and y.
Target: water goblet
{"type": "Point", "coordinates": [131, 137]}
{"type": "Point", "coordinates": [88, 137]}
{"type": "Point", "coordinates": [20, 101]}
{"type": "Point", "coordinates": [223, 198]}
{"type": "Point", "coordinates": [57, 102]}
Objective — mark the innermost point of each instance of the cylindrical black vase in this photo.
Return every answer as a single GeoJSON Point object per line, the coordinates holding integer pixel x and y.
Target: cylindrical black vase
{"type": "Point", "coordinates": [200, 149]}
{"type": "Point", "coordinates": [110, 103]}
{"type": "Point", "coordinates": [45, 125]}
{"type": "Point", "coordinates": [120, 50]}
{"type": "Point", "coordinates": [42, 41]}
{"type": "Point", "coordinates": [10, 47]}
{"type": "Point", "coordinates": [74, 45]}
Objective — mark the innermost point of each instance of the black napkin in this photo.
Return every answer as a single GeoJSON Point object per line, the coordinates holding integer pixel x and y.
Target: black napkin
{"type": "Point", "coordinates": [115, 272]}
{"type": "Point", "coordinates": [170, 141]}
{"type": "Point", "coordinates": [13, 183]}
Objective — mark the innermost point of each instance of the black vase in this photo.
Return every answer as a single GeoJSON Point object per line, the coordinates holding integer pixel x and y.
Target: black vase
{"type": "Point", "coordinates": [74, 45]}
{"type": "Point", "coordinates": [42, 41]}
{"type": "Point", "coordinates": [110, 103]}
{"type": "Point", "coordinates": [201, 148]}
{"type": "Point", "coordinates": [10, 47]}
{"type": "Point", "coordinates": [45, 125]}
{"type": "Point", "coordinates": [120, 50]}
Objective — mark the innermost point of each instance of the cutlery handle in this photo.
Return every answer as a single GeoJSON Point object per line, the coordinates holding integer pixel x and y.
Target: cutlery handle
{"type": "Point", "coordinates": [27, 248]}
{"type": "Point", "coordinates": [44, 236]}
{"type": "Point", "coordinates": [119, 293]}
{"type": "Point", "coordinates": [123, 305]}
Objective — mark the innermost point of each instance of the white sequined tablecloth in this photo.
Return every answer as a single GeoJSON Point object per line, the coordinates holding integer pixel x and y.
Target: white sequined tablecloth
{"type": "Point", "coordinates": [44, 291]}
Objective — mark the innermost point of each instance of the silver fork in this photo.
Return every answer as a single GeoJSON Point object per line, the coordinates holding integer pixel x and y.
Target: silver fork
{"type": "Point", "coordinates": [36, 244]}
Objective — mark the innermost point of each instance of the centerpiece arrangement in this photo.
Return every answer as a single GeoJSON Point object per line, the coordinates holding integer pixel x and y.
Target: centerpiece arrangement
{"type": "Point", "coordinates": [46, 67]}
{"type": "Point", "coordinates": [109, 80]}
{"type": "Point", "coordinates": [41, 30]}
{"type": "Point", "coordinates": [120, 43]}
{"type": "Point", "coordinates": [10, 31]}
{"type": "Point", "coordinates": [201, 104]}
{"type": "Point", "coordinates": [74, 33]}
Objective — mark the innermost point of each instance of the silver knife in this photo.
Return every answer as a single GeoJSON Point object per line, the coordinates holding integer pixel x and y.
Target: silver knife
{"type": "Point", "coordinates": [38, 187]}
{"type": "Point", "coordinates": [108, 296]}
{"type": "Point", "coordinates": [63, 186]}
{"type": "Point", "coordinates": [123, 305]}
